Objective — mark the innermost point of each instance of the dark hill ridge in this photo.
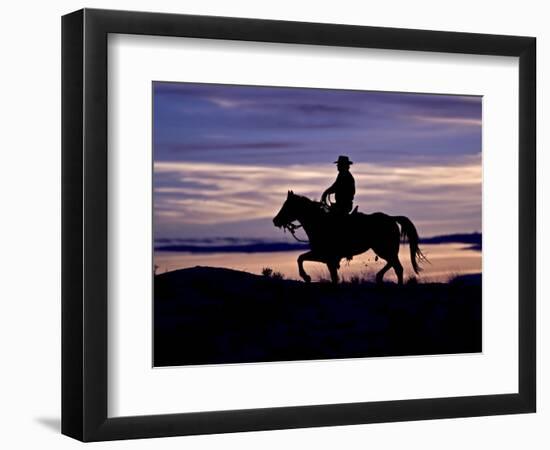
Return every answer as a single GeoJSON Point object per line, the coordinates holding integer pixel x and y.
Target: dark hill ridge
{"type": "Point", "coordinates": [206, 315]}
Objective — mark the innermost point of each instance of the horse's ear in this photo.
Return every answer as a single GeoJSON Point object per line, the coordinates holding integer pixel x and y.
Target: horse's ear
{"type": "Point", "coordinates": [290, 194]}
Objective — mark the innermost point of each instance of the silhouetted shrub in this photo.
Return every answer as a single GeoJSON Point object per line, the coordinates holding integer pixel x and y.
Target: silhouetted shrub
{"type": "Point", "coordinates": [269, 273]}
{"type": "Point", "coordinates": [277, 276]}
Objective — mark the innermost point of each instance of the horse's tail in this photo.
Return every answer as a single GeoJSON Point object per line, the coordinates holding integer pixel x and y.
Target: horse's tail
{"type": "Point", "coordinates": [408, 232]}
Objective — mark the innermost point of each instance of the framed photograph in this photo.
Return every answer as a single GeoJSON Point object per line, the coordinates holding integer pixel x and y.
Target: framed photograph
{"type": "Point", "coordinates": [272, 224]}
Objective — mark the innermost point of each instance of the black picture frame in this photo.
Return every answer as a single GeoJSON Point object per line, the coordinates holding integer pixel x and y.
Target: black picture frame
{"type": "Point", "coordinates": [84, 224]}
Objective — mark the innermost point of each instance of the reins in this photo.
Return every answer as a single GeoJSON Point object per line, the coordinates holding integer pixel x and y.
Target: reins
{"type": "Point", "coordinates": [292, 228]}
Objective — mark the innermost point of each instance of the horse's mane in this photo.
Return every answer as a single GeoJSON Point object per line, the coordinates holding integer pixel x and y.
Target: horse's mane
{"type": "Point", "coordinates": [321, 207]}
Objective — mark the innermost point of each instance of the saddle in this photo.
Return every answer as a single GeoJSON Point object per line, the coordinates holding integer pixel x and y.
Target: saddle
{"type": "Point", "coordinates": [343, 222]}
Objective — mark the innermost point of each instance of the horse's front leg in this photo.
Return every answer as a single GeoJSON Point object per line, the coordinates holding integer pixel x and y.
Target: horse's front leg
{"type": "Point", "coordinates": [308, 256]}
{"type": "Point", "coordinates": [333, 267]}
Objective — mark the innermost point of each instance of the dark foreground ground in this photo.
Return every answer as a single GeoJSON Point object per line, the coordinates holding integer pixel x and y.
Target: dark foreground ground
{"type": "Point", "coordinates": [207, 315]}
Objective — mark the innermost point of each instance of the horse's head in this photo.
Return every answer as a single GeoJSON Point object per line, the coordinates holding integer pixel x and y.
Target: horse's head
{"type": "Point", "coordinates": [288, 212]}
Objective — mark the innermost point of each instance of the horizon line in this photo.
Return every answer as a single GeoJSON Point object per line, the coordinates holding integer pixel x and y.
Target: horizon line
{"type": "Point", "coordinates": [259, 245]}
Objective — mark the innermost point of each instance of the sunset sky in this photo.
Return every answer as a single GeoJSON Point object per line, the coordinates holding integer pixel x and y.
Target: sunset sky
{"type": "Point", "coordinates": [225, 156]}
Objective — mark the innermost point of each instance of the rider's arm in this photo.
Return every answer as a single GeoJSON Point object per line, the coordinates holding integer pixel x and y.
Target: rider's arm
{"type": "Point", "coordinates": [329, 191]}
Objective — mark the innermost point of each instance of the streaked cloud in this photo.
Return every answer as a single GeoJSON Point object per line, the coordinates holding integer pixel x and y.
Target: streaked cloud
{"type": "Point", "coordinates": [449, 120]}
{"type": "Point", "coordinates": [195, 194]}
{"type": "Point", "coordinates": [229, 103]}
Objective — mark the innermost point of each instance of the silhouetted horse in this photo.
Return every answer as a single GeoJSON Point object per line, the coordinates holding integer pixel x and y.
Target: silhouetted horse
{"type": "Point", "coordinates": [333, 237]}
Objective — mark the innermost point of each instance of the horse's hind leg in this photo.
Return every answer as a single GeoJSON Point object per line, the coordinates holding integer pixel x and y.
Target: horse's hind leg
{"type": "Point", "coordinates": [398, 270]}
{"type": "Point", "coordinates": [380, 274]}
{"type": "Point", "coordinates": [396, 266]}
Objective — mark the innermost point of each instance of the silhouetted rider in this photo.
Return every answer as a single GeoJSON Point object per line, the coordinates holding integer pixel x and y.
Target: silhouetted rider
{"type": "Point", "coordinates": [343, 188]}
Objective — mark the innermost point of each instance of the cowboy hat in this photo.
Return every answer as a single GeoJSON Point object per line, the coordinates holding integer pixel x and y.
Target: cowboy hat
{"type": "Point", "coordinates": [343, 160]}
